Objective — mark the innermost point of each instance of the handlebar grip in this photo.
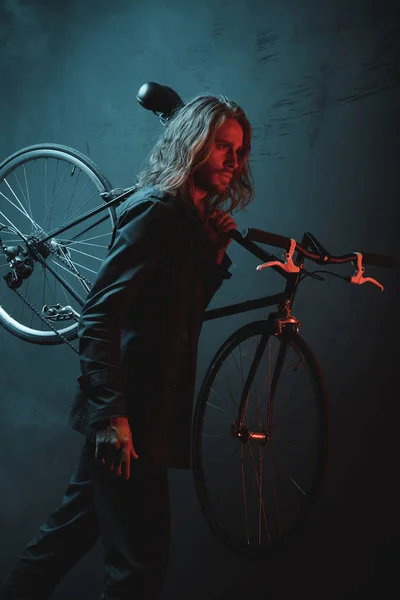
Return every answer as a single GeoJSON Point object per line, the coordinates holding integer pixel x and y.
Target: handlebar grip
{"type": "Point", "coordinates": [265, 237]}
{"type": "Point", "coordinates": [378, 260]}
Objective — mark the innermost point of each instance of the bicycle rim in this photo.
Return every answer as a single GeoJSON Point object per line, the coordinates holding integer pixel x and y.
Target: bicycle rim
{"type": "Point", "coordinates": [259, 456]}
{"type": "Point", "coordinates": [43, 188]}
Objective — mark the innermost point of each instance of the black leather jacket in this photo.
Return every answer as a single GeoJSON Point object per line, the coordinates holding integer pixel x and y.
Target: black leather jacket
{"type": "Point", "coordinates": [140, 325]}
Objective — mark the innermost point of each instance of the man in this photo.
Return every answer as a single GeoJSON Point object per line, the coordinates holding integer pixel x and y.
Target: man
{"type": "Point", "coordinates": [138, 337]}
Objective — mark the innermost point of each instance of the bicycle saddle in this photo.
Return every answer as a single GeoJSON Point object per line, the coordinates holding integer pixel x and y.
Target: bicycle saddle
{"type": "Point", "coordinates": [161, 99]}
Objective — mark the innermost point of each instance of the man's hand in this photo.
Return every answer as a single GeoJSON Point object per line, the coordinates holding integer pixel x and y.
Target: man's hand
{"type": "Point", "coordinates": [219, 223]}
{"type": "Point", "coordinates": [114, 446]}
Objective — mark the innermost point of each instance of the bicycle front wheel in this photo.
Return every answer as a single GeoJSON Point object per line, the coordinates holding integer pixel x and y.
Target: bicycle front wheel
{"type": "Point", "coordinates": [260, 438]}
{"type": "Point", "coordinates": [43, 188]}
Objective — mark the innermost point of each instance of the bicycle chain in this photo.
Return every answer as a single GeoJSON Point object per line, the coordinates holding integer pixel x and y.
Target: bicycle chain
{"type": "Point", "coordinates": [35, 310]}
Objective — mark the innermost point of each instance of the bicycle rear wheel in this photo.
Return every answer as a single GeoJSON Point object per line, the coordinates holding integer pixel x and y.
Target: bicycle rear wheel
{"type": "Point", "coordinates": [260, 438]}
{"type": "Point", "coordinates": [43, 188]}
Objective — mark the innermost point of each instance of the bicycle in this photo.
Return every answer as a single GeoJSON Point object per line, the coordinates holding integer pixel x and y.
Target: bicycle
{"type": "Point", "coordinates": [263, 399]}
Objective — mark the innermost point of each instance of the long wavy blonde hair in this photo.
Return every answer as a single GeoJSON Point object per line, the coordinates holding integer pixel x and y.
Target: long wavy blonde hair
{"type": "Point", "coordinates": [187, 143]}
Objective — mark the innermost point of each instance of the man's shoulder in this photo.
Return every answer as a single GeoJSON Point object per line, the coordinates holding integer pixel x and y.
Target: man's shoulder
{"type": "Point", "coordinates": [146, 197]}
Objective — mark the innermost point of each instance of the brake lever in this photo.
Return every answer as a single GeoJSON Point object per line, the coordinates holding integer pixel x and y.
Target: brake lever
{"type": "Point", "coordinates": [287, 266]}
{"type": "Point", "coordinates": [357, 277]}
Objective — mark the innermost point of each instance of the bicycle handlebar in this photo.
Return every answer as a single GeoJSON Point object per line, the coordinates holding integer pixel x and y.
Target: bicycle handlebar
{"type": "Point", "coordinates": [280, 241]}
{"type": "Point", "coordinates": [378, 260]}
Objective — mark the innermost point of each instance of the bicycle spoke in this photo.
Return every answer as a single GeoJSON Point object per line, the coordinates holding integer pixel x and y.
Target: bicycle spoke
{"type": "Point", "coordinates": [275, 495]}
{"type": "Point", "coordinates": [80, 207]}
{"type": "Point", "coordinates": [70, 246]}
{"type": "Point", "coordinates": [60, 184]}
{"type": "Point", "coordinates": [214, 405]}
{"type": "Point", "coordinates": [21, 210]}
{"type": "Point", "coordinates": [261, 510]}
{"type": "Point", "coordinates": [73, 240]}
{"type": "Point", "coordinates": [235, 407]}
{"type": "Point", "coordinates": [293, 484]}
{"type": "Point", "coordinates": [50, 206]}
{"type": "Point", "coordinates": [84, 204]}
{"type": "Point", "coordinates": [239, 368]}
{"type": "Point", "coordinates": [24, 210]}
{"type": "Point", "coordinates": [27, 187]}
{"type": "Point", "coordinates": [27, 201]}
{"type": "Point", "coordinates": [45, 280]}
{"type": "Point", "coordinates": [245, 497]}
{"type": "Point", "coordinates": [60, 287]}
{"type": "Point", "coordinates": [71, 202]}
{"type": "Point", "coordinates": [297, 485]}
{"type": "Point", "coordinates": [77, 274]}
{"type": "Point", "coordinates": [292, 397]}
{"type": "Point", "coordinates": [12, 225]}
{"type": "Point", "coordinates": [88, 255]}
{"type": "Point", "coordinates": [258, 478]}
{"type": "Point", "coordinates": [45, 186]}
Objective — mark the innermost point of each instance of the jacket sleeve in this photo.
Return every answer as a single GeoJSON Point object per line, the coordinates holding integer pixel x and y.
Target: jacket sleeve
{"type": "Point", "coordinates": [215, 276]}
{"type": "Point", "coordinates": [141, 237]}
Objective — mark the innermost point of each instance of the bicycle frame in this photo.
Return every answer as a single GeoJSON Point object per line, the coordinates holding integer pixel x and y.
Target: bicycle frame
{"type": "Point", "coordinates": [284, 300]}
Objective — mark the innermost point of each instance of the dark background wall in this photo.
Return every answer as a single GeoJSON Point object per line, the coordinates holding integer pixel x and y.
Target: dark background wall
{"type": "Point", "coordinates": [320, 84]}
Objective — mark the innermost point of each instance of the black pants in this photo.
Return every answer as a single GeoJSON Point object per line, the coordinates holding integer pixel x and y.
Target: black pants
{"type": "Point", "coordinates": [132, 518]}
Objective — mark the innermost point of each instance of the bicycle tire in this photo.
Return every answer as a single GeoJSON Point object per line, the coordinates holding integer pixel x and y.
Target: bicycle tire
{"type": "Point", "coordinates": [205, 446]}
{"type": "Point", "coordinates": [77, 161]}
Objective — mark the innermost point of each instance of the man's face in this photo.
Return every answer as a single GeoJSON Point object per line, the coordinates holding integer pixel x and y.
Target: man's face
{"type": "Point", "coordinates": [216, 173]}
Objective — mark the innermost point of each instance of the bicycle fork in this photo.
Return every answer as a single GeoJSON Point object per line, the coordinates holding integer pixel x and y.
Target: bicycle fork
{"type": "Point", "coordinates": [263, 434]}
